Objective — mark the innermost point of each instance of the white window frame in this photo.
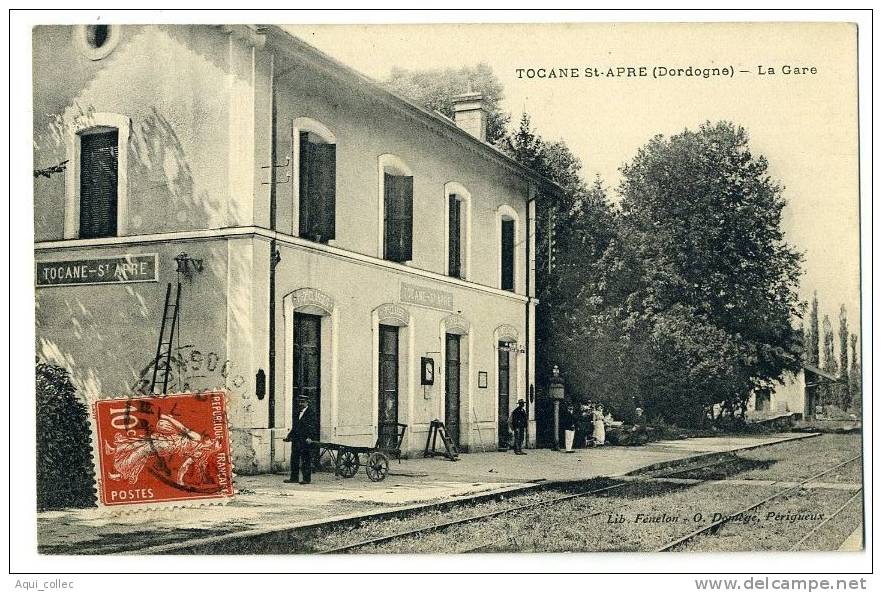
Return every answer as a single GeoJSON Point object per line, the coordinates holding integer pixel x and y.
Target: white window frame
{"type": "Point", "coordinates": [304, 124]}
{"type": "Point", "coordinates": [81, 38]}
{"type": "Point", "coordinates": [83, 125]}
{"type": "Point", "coordinates": [506, 212]}
{"type": "Point", "coordinates": [465, 199]}
{"type": "Point", "coordinates": [392, 164]}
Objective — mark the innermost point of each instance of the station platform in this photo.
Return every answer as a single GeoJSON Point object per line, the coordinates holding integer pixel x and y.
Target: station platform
{"type": "Point", "coordinates": [266, 503]}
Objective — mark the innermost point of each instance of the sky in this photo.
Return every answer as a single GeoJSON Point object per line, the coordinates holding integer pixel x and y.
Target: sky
{"type": "Point", "coordinates": [804, 124]}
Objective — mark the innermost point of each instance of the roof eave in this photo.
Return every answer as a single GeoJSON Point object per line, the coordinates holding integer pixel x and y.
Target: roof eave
{"type": "Point", "coordinates": [279, 37]}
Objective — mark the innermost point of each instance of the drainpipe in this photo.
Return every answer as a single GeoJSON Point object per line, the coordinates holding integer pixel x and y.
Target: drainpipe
{"type": "Point", "coordinates": [530, 201]}
{"type": "Point", "coordinates": [271, 383]}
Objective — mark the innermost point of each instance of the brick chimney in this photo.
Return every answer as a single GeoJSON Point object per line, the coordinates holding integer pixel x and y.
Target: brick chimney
{"type": "Point", "coordinates": [470, 115]}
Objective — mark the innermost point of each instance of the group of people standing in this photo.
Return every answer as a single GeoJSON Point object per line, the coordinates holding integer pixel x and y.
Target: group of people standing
{"type": "Point", "coordinates": [583, 428]}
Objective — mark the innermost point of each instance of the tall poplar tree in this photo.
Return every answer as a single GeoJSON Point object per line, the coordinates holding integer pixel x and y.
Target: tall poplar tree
{"type": "Point", "coordinates": [854, 376]}
{"type": "Point", "coordinates": [844, 387]}
{"type": "Point", "coordinates": [829, 390]}
{"type": "Point", "coordinates": [812, 354]}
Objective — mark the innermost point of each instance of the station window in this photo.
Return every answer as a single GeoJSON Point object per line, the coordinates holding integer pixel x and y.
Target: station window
{"type": "Point", "coordinates": [397, 192]}
{"type": "Point", "coordinates": [455, 237]}
{"type": "Point", "coordinates": [318, 187]}
{"type": "Point", "coordinates": [99, 161]}
{"type": "Point", "coordinates": [315, 184]}
{"type": "Point", "coordinates": [97, 41]}
{"type": "Point", "coordinates": [506, 249]}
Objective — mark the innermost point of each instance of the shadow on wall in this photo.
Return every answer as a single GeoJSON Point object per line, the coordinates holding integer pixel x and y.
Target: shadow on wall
{"type": "Point", "coordinates": [163, 194]}
{"type": "Point", "coordinates": [106, 336]}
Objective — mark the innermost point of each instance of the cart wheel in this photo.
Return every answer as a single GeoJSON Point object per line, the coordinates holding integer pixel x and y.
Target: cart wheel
{"type": "Point", "coordinates": [326, 460]}
{"type": "Point", "coordinates": [348, 463]}
{"type": "Point", "coordinates": [377, 466]}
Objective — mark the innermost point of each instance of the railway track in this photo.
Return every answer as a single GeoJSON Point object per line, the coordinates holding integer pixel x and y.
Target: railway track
{"type": "Point", "coordinates": [511, 510]}
{"type": "Point", "coordinates": [818, 527]}
{"type": "Point", "coordinates": [715, 526]}
{"type": "Point", "coordinates": [439, 526]}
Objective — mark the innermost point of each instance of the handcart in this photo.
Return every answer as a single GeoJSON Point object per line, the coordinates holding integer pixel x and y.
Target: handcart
{"type": "Point", "coordinates": [347, 459]}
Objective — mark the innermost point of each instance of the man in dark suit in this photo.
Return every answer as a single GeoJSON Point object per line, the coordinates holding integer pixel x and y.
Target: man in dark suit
{"type": "Point", "coordinates": [301, 436]}
{"type": "Point", "coordinates": [518, 423]}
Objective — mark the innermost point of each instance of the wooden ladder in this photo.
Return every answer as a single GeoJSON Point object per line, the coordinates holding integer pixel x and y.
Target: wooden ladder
{"type": "Point", "coordinates": [162, 362]}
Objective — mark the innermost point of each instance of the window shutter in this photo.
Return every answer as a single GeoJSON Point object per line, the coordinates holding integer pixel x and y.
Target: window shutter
{"type": "Point", "coordinates": [390, 237]}
{"type": "Point", "coordinates": [405, 195]}
{"type": "Point", "coordinates": [307, 160]}
{"type": "Point", "coordinates": [454, 266]}
{"type": "Point", "coordinates": [326, 186]}
{"type": "Point", "coordinates": [98, 179]}
{"type": "Point", "coordinates": [398, 219]}
{"type": "Point", "coordinates": [507, 252]}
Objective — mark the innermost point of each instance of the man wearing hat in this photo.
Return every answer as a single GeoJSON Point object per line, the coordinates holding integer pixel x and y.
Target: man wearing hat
{"type": "Point", "coordinates": [301, 436]}
{"type": "Point", "coordinates": [518, 423]}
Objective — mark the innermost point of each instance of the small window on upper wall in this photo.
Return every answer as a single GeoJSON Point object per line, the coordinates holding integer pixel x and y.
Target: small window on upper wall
{"type": "Point", "coordinates": [318, 187]}
{"type": "Point", "coordinates": [97, 41]}
{"type": "Point", "coordinates": [99, 158]}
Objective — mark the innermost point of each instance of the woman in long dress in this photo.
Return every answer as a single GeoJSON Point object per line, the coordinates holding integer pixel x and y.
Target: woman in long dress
{"type": "Point", "coordinates": [599, 429]}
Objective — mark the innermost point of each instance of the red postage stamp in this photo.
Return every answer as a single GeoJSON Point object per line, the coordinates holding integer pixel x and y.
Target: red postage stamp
{"type": "Point", "coordinates": [163, 449]}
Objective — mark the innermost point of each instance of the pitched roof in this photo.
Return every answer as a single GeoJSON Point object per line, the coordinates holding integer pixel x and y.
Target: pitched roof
{"type": "Point", "coordinates": [281, 38]}
{"type": "Point", "coordinates": [819, 372]}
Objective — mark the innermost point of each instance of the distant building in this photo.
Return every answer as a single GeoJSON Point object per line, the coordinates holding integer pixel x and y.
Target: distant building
{"type": "Point", "coordinates": [796, 394]}
{"type": "Point", "coordinates": [328, 234]}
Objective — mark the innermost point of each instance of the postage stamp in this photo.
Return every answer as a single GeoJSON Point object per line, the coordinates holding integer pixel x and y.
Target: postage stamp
{"type": "Point", "coordinates": [163, 449]}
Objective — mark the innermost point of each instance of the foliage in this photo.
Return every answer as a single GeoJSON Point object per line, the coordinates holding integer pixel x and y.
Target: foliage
{"type": "Point", "coordinates": [679, 298]}
{"type": "Point", "coordinates": [64, 453]}
{"type": "Point", "coordinates": [717, 280]}
{"type": "Point", "coordinates": [829, 391]}
{"type": "Point", "coordinates": [854, 376]}
{"type": "Point", "coordinates": [812, 335]}
{"type": "Point", "coordinates": [434, 89]}
{"type": "Point", "coordinates": [844, 387]}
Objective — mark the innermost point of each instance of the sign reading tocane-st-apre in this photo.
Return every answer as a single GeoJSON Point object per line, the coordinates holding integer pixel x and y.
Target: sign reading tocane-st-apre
{"type": "Point", "coordinates": [113, 269]}
{"type": "Point", "coordinates": [425, 296]}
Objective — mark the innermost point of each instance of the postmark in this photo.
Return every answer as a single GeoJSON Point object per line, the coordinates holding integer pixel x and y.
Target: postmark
{"type": "Point", "coordinates": [162, 449]}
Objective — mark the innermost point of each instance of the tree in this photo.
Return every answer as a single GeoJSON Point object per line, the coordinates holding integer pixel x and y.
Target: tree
{"type": "Point", "coordinates": [844, 387]}
{"type": "Point", "coordinates": [65, 475]}
{"type": "Point", "coordinates": [575, 227]}
{"type": "Point", "coordinates": [813, 335]}
{"type": "Point", "coordinates": [435, 89]}
{"type": "Point", "coordinates": [854, 376]}
{"type": "Point", "coordinates": [718, 281]}
{"type": "Point", "coordinates": [829, 391]}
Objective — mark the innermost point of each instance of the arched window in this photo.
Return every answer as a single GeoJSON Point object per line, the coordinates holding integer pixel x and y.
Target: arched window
{"type": "Point", "coordinates": [96, 190]}
{"type": "Point", "coordinates": [507, 240]}
{"type": "Point", "coordinates": [457, 229]}
{"type": "Point", "coordinates": [396, 209]}
{"type": "Point", "coordinates": [315, 186]}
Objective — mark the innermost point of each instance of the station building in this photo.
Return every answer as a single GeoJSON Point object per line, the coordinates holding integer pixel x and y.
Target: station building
{"type": "Point", "coordinates": [331, 239]}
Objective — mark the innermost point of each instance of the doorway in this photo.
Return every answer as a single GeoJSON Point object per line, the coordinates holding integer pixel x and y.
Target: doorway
{"type": "Point", "coordinates": [307, 363]}
{"type": "Point", "coordinates": [388, 375]}
{"type": "Point", "coordinates": [502, 382]}
{"type": "Point", "coordinates": [452, 387]}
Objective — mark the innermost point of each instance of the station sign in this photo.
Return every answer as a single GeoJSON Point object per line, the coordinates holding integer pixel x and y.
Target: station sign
{"type": "Point", "coordinates": [424, 296]}
{"type": "Point", "coordinates": [114, 269]}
